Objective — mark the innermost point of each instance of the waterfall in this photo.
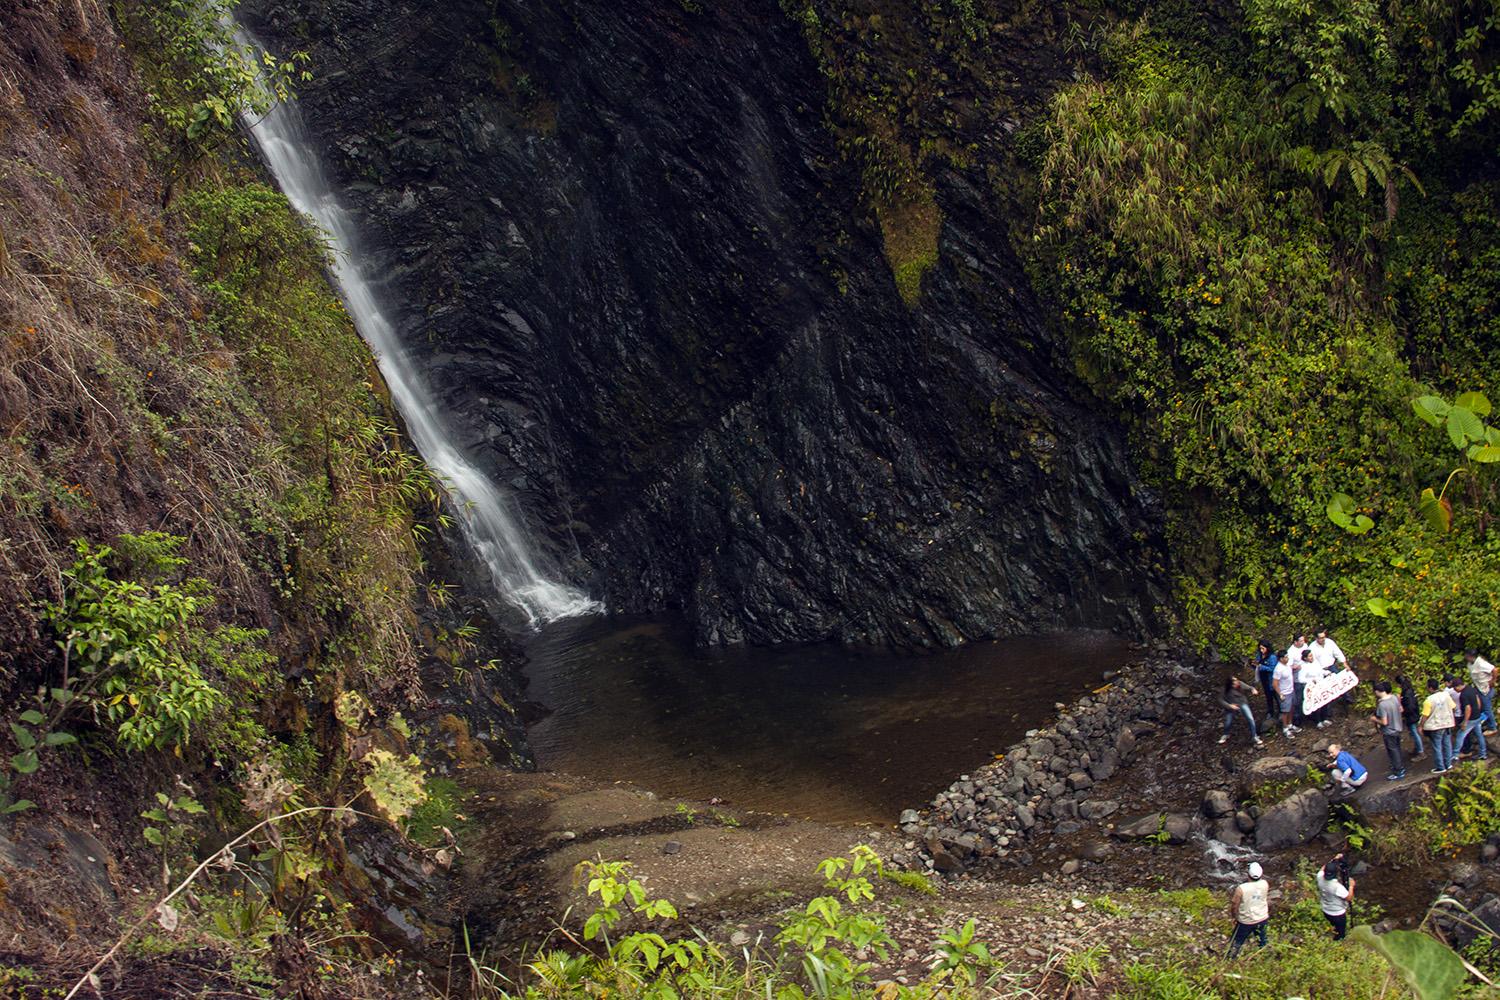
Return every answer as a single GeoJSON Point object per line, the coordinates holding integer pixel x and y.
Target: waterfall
{"type": "Point", "coordinates": [487, 516]}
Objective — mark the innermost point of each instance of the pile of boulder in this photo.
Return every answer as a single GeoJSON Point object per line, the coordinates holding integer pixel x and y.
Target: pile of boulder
{"type": "Point", "coordinates": [1045, 781]}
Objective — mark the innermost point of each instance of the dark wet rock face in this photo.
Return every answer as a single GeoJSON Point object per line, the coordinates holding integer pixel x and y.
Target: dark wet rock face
{"type": "Point", "coordinates": [622, 243]}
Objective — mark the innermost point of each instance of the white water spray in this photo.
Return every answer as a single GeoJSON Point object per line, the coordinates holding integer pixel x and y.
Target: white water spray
{"type": "Point", "coordinates": [487, 517]}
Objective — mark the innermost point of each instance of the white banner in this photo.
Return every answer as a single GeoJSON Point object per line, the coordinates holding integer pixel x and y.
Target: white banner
{"type": "Point", "coordinates": [1319, 693]}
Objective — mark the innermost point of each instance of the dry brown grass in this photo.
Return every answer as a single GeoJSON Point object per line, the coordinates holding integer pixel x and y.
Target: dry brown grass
{"type": "Point", "coordinates": [104, 426]}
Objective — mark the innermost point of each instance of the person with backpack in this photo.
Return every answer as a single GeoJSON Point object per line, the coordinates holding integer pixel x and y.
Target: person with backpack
{"type": "Point", "coordinates": [1411, 714]}
{"type": "Point", "coordinates": [1250, 909]}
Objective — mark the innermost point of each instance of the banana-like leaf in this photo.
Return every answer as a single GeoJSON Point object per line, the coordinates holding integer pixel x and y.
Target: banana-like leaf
{"type": "Point", "coordinates": [1432, 969]}
{"type": "Point", "coordinates": [1379, 607]}
{"type": "Point", "coordinates": [1437, 513]}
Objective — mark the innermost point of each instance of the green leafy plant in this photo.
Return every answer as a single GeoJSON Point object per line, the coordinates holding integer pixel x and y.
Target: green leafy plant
{"type": "Point", "coordinates": [1082, 968]}
{"type": "Point", "coordinates": [827, 929]}
{"type": "Point", "coordinates": [961, 959]}
{"type": "Point", "coordinates": [170, 825]}
{"type": "Point", "coordinates": [127, 653]}
{"type": "Point", "coordinates": [1463, 810]}
{"type": "Point", "coordinates": [1432, 969]}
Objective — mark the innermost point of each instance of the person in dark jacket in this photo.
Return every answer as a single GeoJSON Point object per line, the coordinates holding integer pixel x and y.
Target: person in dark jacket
{"type": "Point", "coordinates": [1411, 714]}
{"type": "Point", "coordinates": [1265, 669]}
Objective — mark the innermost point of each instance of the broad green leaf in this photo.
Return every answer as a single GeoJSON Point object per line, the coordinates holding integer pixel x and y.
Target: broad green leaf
{"type": "Point", "coordinates": [153, 836]}
{"type": "Point", "coordinates": [1362, 524]}
{"type": "Point", "coordinates": [1428, 966]}
{"type": "Point", "coordinates": [20, 805]}
{"type": "Point", "coordinates": [1485, 453]}
{"type": "Point", "coordinates": [24, 762]}
{"type": "Point", "coordinates": [60, 739]}
{"type": "Point", "coordinates": [1476, 402]}
{"type": "Point", "coordinates": [1437, 513]}
{"type": "Point", "coordinates": [1464, 427]}
{"type": "Point", "coordinates": [23, 736]}
{"type": "Point", "coordinates": [1340, 507]}
{"type": "Point", "coordinates": [32, 717]}
{"type": "Point", "coordinates": [1379, 607]}
{"type": "Point", "coordinates": [1431, 409]}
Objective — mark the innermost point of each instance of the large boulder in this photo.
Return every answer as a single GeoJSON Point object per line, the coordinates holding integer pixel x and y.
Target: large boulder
{"type": "Point", "coordinates": [1390, 798]}
{"type": "Point", "coordinates": [1174, 828]}
{"type": "Point", "coordinates": [1217, 803]}
{"type": "Point", "coordinates": [1265, 771]}
{"type": "Point", "coordinates": [1292, 821]}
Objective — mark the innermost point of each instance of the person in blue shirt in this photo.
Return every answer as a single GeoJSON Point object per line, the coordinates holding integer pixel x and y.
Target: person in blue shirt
{"type": "Point", "coordinates": [1265, 669]}
{"type": "Point", "coordinates": [1346, 768]}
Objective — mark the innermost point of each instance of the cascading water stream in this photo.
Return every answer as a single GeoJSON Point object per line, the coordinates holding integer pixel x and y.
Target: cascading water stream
{"type": "Point", "coordinates": [487, 517]}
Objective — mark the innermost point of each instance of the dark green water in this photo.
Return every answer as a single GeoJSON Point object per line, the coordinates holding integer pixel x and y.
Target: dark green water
{"type": "Point", "coordinates": [825, 732]}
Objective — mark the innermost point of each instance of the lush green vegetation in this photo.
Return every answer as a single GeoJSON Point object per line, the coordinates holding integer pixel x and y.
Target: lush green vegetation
{"type": "Point", "coordinates": [1254, 239]}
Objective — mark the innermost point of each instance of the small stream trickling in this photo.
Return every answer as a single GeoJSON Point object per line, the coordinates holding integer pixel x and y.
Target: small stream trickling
{"type": "Point", "coordinates": [490, 522]}
{"type": "Point", "coordinates": [827, 732]}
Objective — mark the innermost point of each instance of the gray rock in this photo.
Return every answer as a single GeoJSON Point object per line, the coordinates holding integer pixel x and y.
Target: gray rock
{"type": "Point", "coordinates": [1265, 771]}
{"type": "Point", "coordinates": [1179, 692]}
{"type": "Point", "coordinates": [1096, 850]}
{"type": "Point", "coordinates": [1078, 780]}
{"type": "Point", "coordinates": [1071, 866]}
{"type": "Point", "coordinates": [1095, 809]}
{"type": "Point", "coordinates": [1217, 803]}
{"type": "Point", "coordinates": [1292, 821]}
{"type": "Point", "coordinates": [671, 847]}
{"type": "Point", "coordinates": [909, 816]}
{"type": "Point", "coordinates": [1225, 831]}
{"type": "Point", "coordinates": [1140, 827]}
{"type": "Point", "coordinates": [1244, 821]}
{"type": "Point", "coordinates": [1105, 766]}
{"type": "Point", "coordinates": [1392, 797]}
{"type": "Point", "coordinates": [1180, 827]}
{"type": "Point", "coordinates": [1066, 827]}
{"type": "Point", "coordinates": [1025, 818]}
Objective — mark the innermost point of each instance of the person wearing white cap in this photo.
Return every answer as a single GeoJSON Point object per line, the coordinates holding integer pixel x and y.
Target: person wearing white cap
{"type": "Point", "coordinates": [1250, 909]}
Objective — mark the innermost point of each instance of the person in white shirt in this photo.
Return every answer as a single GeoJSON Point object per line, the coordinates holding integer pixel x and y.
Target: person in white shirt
{"type": "Point", "coordinates": [1294, 651]}
{"type": "Point", "coordinates": [1483, 673]}
{"type": "Point", "coordinates": [1325, 654]}
{"type": "Point", "coordinates": [1250, 909]}
{"type": "Point", "coordinates": [1285, 682]}
{"type": "Point", "coordinates": [1334, 895]}
{"type": "Point", "coordinates": [1310, 674]}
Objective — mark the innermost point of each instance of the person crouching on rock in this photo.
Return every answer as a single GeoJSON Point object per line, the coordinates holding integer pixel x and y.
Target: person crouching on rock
{"type": "Point", "coordinates": [1250, 909]}
{"type": "Point", "coordinates": [1335, 891]}
{"type": "Point", "coordinates": [1236, 703]}
{"type": "Point", "coordinates": [1346, 768]}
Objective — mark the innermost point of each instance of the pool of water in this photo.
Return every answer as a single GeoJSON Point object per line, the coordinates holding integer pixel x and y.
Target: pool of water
{"type": "Point", "coordinates": [825, 732]}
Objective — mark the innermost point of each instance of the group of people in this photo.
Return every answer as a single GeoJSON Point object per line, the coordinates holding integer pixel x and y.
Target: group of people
{"type": "Point", "coordinates": [1456, 714]}
{"type": "Point", "coordinates": [1285, 676]}
{"type": "Point", "coordinates": [1250, 902]}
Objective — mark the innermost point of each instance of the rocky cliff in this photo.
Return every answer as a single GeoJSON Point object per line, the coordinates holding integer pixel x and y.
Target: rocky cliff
{"type": "Point", "coordinates": [624, 244]}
